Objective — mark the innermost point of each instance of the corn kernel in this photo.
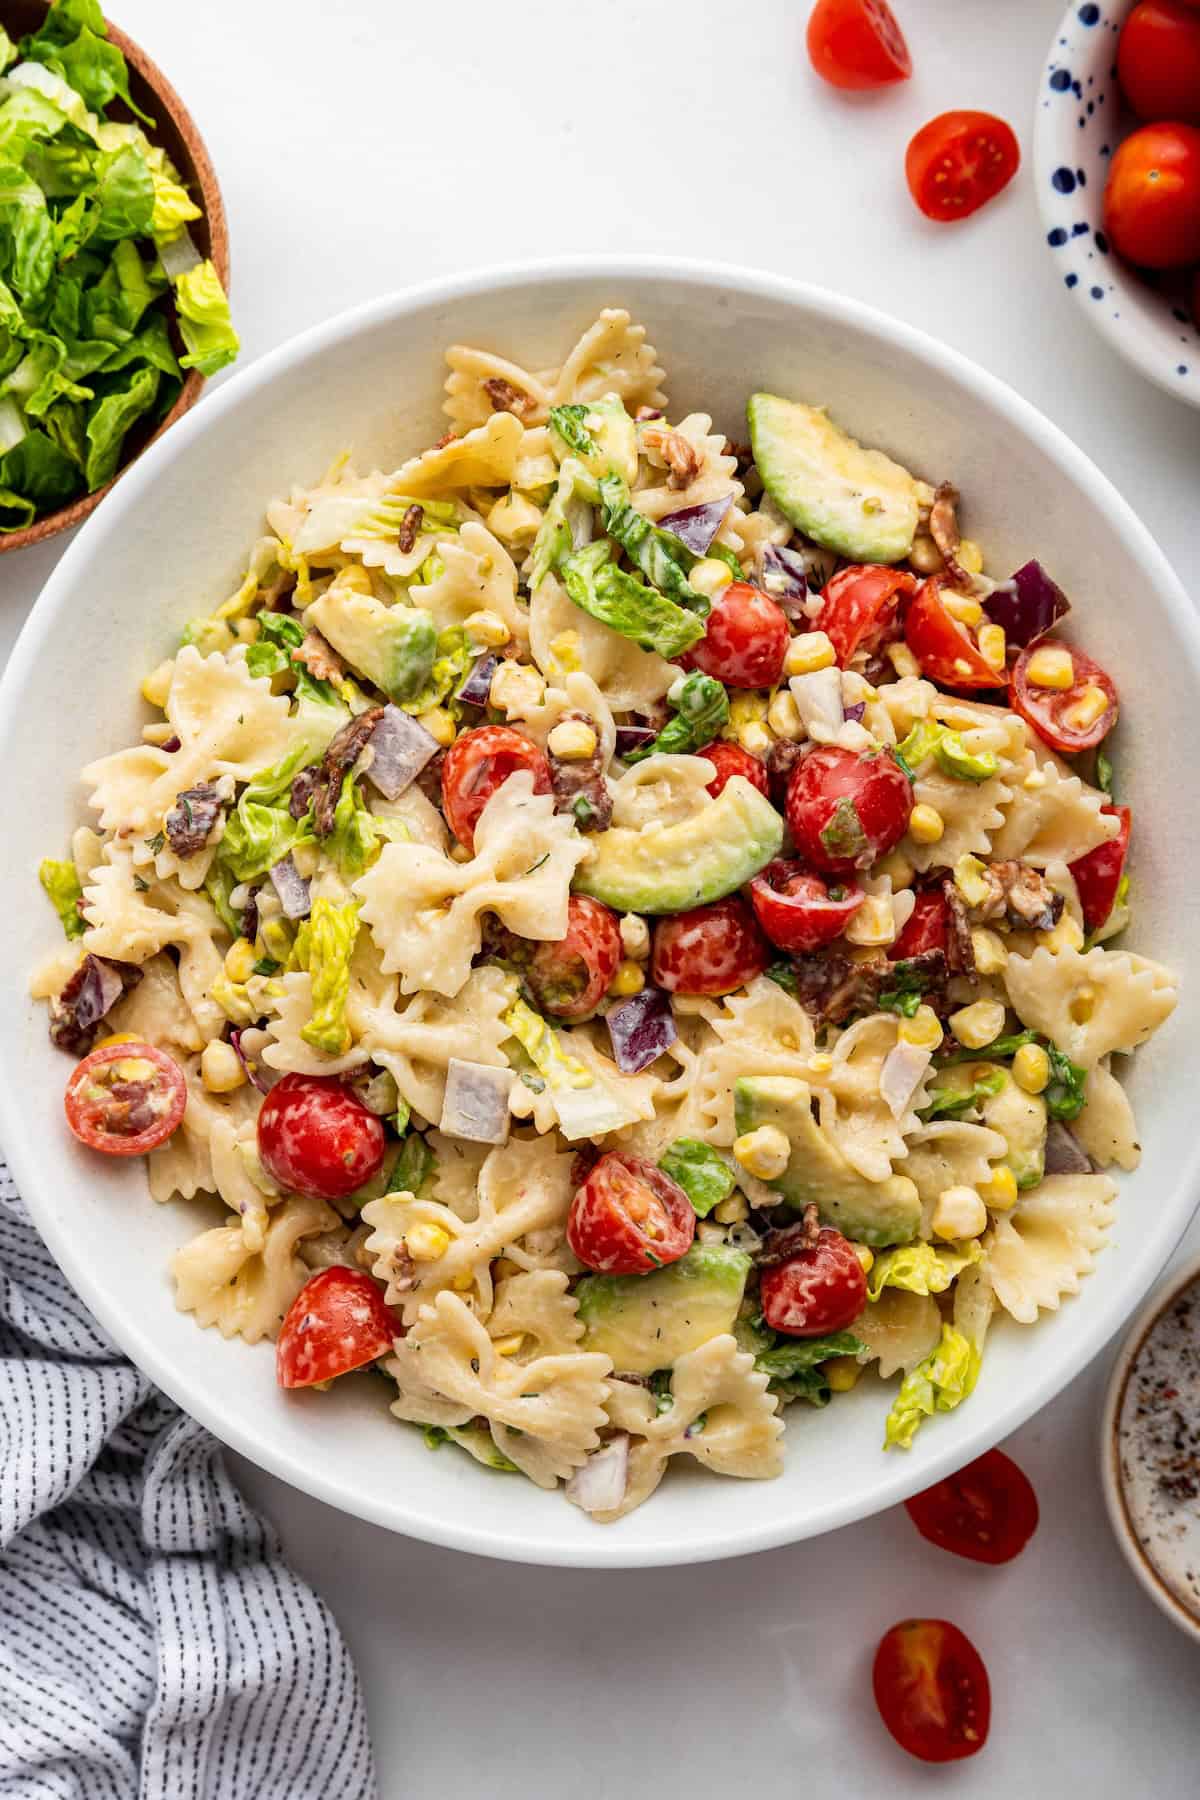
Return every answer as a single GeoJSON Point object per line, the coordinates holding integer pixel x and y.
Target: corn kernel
{"type": "Point", "coordinates": [635, 936]}
{"type": "Point", "coordinates": [923, 1030]}
{"type": "Point", "coordinates": [1083, 1005]}
{"type": "Point", "coordinates": [516, 690]}
{"type": "Point", "coordinates": [565, 651]}
{"type": "Point", "coordinates": [821, 1063]}
{"type": "Point", "coordinates": [993, 646]}
{"type": "Point", "coordinates": [240, 960]}
{"type": "Point", "coordinates": [425, 1243]}
{"type": "Point", "coordinates": [276, 938]}
{"type": "Point", "coordinates": [970, 557]}
{"type": "Point", "coordinates": [866, 1257]}
{"type": "Point", "coordinates": [1091, 705]}
{"type": "Point", "coordinates": [902, 660]}
{"type": "Point", "coordinates": [1000, 1191]}
{"type": "Point", "coordinates": [487, 629]}
{"type": "Point", "coordinates": [157, 684]}
{"type": "Point", "coordinates": [463, 1281]}
{"type": "Point", "coordinates": [899, 871]}
{"type": "Point", "coordinates": [842, 1373]}
{"type": "Point", "coordinates": [978, 1025]}
{"type": "Point", "coordinates": [439, 724]}
{"type": "Point", "coordinates": [968, 879]}
{"type": "Point", "coordinates": [925, 557]}
{"type": "Point", "coordinates": [732, 1211]}
{"type": "Point", "coordinates": [1031, 1068]}
{"type": "Point", "coordinates": [116, 1037]}
{"type": "Point", "coordinates": [764, 1152]}
{"type": "Point", "coordinates": [754, 737]}
{"type": "Point", "coordinates": [806, 654]}
{"type": "Point", "coordinates": [1066, 935]}
{"type": "Point", "coordinates": [925, 824]}
{"type": "Point", "coordinates": [963, 608]}
{"type": "Point", "coordinates": [874, 922]}
{"type": "Point", "coordinates": [987, 947]}
{"type": "Point", "coordinates": [959, 1213]}
{"type": "Point", "coordinates": [1034, 780]}
{"type": "Point", "coordinates": [508, 1346]}
{"type": "Point", "coordinates": [709, 576]}
{"type": "Point", "coordinates": [573, 740]}
{"type": "Point", "coordinates": [1051, 667]}
{"type": "Point", "coordinates": [629, 979]}
{"type": "Point", "coordinates": [783, 716]}
{"type": "Point", "coordinates": [220, 1068]}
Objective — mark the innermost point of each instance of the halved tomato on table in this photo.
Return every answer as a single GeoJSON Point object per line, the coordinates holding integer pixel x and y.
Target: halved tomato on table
{"type": "Point", "coordinates": [337, 1322]}
{"type": "Point", "coordinates": [986, 1512]}
{"type": "Point", "coordinates": [125, 1098]}
{"type": "Point", "coordinates": [958, 162]}
{"type": "Point", "coordinates": [1069, 719]}
{"type": "Point", "coordinates": [945, 649]}
{"type": "Point", "coordinates": [629, 1217]}
{"type": "Point", "coordinates": [857, 44]}
{"type": "Point", "coordinates": [479, 762]}
{"type": "Point", "coordinates": [932, 1690]}
{"type": "Point", "coordinates": [860, 605]}
{"type": "Point", "coordinates": [798, 909]}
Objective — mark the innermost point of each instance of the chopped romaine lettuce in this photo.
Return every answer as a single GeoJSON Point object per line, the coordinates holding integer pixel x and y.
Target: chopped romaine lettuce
{"type": "Point", "coordinates": [702, 709]}
{"type": "Point", "coordinates": [927, 738]}
{"type": "Point", "coordinates": [662, 559]}
{"type": "Point", "coordinates": [259, 830]}
{"type": "Point", "coordinates": [566, 524]}
{"type": "Point", "coordinates": [627, 605]}
{"type": "Point", "coordinates": [415, 1165]}
{"type": "Point", "coordinates": [62, 885]}
{"type": "Point", "coordinates": [939, 1384]}
{"type": "Point", "coordinates": [951, 1103]}
{"type": "Point", "coordinates": [204, 322]}
{"type": "Point", "coordinates": [704, 1176]}
{"type": "Point", "coordinates": [324, 947]}
{"type": "Point", "coordinates": [1064, 1095]}
{"type": "Point", "coordinates": [920, 1268]}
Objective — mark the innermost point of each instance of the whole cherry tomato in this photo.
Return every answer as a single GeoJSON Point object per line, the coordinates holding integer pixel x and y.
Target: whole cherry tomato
{"type": "Point", "coordinates": [987, 1512]}
{"type": "Point", "coordinates": [927, 928]}
{"type": "Point", "coordinates": [125, 1099]}
{"type": "Point", "coordinates": [857, 44]}
{"type": "Point", "coordinates": [337, 1322]}
{"type": "Point", "coordinates": [816, 1291]}
{"type": "Point", "coordinates": [1158, 61]}
{"type": "Point", "coordinates": [478, 763]}
{"type": "Point", "coordinates": [798, 910]}
{"type": "Point", "coordinates": [932, 1690]}
{"type": "Point", "coordinates": [846, 808]}
{"type": "Point", "coordinates": [1053, 711]}
{"type": "Point", "coordinates": [960, 161]}
{"type": "Point", "coordinates": [629, 1218]}
{"type": "Point", "coordinates": [731, 759]}
{"type": "Point", "coordinates": [1098, 874]}
{"type": "Point", "coordinates": [571, 977]}
{"type": "Point", "coordinates": [317, 1138]}
{"type": "Point", "coordinates": [1152, 197]}
{"type": "Point", "coordinates": [709, 950]}
{"type": "Point", "coordinates": [860, 604]}
{"type": "Point", "coordinates": [945, 649]}
{"type": "Point", "coordinates": [745, 639]}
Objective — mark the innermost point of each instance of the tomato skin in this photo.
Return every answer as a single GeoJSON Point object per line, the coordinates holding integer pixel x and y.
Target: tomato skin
{"type": "Point", "coordinates": [1158, 61]}
{"type": "Point", "coordinates": [857, 44]}
{"type": "Point", "coordinates": [1098, 874]}
{"type": "Point", "coordinates": [317, 1138]}
{"type": "Point", "coordinates": [816, 1291]}
{"type": "Point", "coordinates": [942, 646]}
{"type": "Point", "coordinates": [709, 950]}
{"type": "Point", "coordinates": [1152, 197]}
{"type": "Point", "coordinates": [932, 1690]}
{"type": "Point", "coordinates": [95, 1119]}
{"type": "Point", "coordinates": [1046, 709]}
{"type": "Point", "coordinates": [337, 1322]}
{"type": "Point", "coordinates": [571, 977]}
{"type": "Point", "coordinates": [1196, 293]}
{"type": "Point", "coordinates": [477, 763]}
{"type": "Point", "coordinates": [958, 162]}
{"type": "Point", "coordinates": [745, 639]}
{"type": "Point", "coordinates": [860, 604]}
{"type": "Point", "coordinates": [795, 908]}
{"type": "Point", "coordinates": [731, 759]}
{"type": "Point", "coordinates": [879, 794]}
{"type": "Point", "coordinates": [629, 1218]}
{"type": "Point", "coordinates": [928, 928]}
{"type": "Point", "coordinates": [986, 1512]}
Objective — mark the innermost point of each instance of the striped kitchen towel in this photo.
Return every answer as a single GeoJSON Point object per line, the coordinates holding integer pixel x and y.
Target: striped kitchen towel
{"type": "Point", "coordinates": [154, 1644]}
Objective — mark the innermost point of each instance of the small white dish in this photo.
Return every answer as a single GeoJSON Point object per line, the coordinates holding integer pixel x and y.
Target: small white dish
{"type": "Point", "coordinates": [1079, 121]}
{"type": "Point", "coordinates": [1150, 1448]}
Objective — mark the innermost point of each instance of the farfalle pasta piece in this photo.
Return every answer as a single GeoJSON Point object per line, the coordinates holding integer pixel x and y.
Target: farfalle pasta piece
{"type": "Point", "coordinates": [156, 1011]}
{"type": "Point", "coordinates": [662, 790]}
{"type": "Point", "coordinates": [478, 576]}
{"type": "Point", "coordinates": [1048, 1243]}
{"type": "Point", "coordinates": [415, 1040]}
{"type": "Point", "coordinates": [1090, 1002]}
{"type": "Point", "coordinates": [761, 1031]}
{"type": "Point", "coordinates": [484, 457]}
{"type": "Point", "coordinates": [971, 813]}
{"type": "Point", "coordinates": [627, 1099]}
{"type": "Point", "coordinates": [612, 357]}
{"type": "Point", "coordinates": [1106, 1128]}
{"type": "Point", "coordinates": [481, 383]}
{"type": "Point", "coordinates": [949, 1153]}
{"type": "Point", "coordinates": [852, 1109]}
{"type": "Point", "coordinates": [455, 1180]}
{"type": "Point", "coordinates": [537, 1308]}
{"type": "Point", "coordinates": [563, 639]}
{"type": "Point", "coordinates": [1052, 817]}
{"type": "Point", "coordinates": [708, 473]}
{"type": "Point", "coordinates": [245, 1292]}
{"type": "Point", "coordinates": [898, 1330]}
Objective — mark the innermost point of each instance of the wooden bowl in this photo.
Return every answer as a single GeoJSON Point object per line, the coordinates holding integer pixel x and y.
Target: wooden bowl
{"type": "Point", "coordinates": [176, 131]}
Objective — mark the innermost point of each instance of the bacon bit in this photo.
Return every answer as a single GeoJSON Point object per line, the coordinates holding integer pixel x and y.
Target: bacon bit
{"type": "Point", "coordinates": [644, 414]}
{"type": "Point", "coordinates": [319, 657]}
{"type": "Point", "coordinates": [742, 454]}
{"type": "Point", "coordinates": [960, 951]}
{"type": "Point", "coordinates": [279, 589]}
{"type": "Point", "coordinates": [447, 437]}
{"type": "Point", "coordinates": [505, 397]}
{"type": "Point", "coordinates": [943, 529]}
{"type": "Point", "coordinates": [579, 785]}
{"type": "Point", "coordinates": [321, 785]}
{"type": "Point", "coordinates": [785, 1241]}
{"type": "Point", "coordinates": [682, 459]}
{"type": "Point", "coordinates": [1020, 896]}
{"type": "Point", "coordinates": [833, 986]}
{"type": "Point", "coordinates": [91, 993]}
{"type": "Point", "coordinates": [193, 819]}
{"type": "Point", "coordinates": [410, 526]}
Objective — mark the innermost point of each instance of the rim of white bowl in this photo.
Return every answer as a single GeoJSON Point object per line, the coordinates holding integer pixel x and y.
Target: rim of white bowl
{"type": "Point", "coordinates": [897, 1479]}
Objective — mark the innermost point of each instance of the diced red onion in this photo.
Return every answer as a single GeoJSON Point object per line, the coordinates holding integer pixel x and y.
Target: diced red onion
{"type": "Point", "coordinates": [101, 989]}
{"type": "Point", "coordinates": [1065, 1155]}
{"type": "Point", "coordinates": [641, 1029]}
{"type": "Point", "coordinates": [478, 684]}
{"type": "Point", "coordinates": [855, 712]}
{"type": "Point", "coordinates": [783, 574]}
{"type": "Point", "coordinates": [400, 749]}
{"type": "Point", "coordinates": [697, 526]}
{"type": "Point", "coordinates": [634, 737]}
{"type": "Point", "coordinates": [255, 1074]}
{"type": "Point", "coordinates": [291, 887]}
{"type": "Point", "coordinates": [171, 744]}
{"type": "Point", "coordinates": [599, 1484]}
{"type": "Point", "coordinates": [1028, 606]}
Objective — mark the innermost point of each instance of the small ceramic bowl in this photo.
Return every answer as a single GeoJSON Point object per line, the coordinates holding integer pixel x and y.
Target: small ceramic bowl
{"type": "Point", "coordinates": [1079, 122]}
{"type": "Point", "coordinates": [1150, 1447]}
{"type": "Point", "coordinates": [175, 130]}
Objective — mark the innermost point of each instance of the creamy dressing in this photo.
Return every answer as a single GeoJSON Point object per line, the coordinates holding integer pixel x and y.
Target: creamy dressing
{"type": "Point", "coordinates": [1158, 1443]}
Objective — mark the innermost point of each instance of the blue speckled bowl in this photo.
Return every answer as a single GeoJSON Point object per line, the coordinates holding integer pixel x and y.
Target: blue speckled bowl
{"type": "Point", "coordinates": [1080, 121]}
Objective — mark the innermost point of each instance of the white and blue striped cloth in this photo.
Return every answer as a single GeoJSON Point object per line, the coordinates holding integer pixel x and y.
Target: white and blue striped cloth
{"type": "Point", "coordinates": [154, 1645]}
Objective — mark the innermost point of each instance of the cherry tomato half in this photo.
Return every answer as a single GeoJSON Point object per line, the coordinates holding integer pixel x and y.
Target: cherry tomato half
{"type": "Point", "coordinates": [1051, 710]}
{"type": "Point", "coordinates": [857, 44]}
{"type": "Point", "coordinates": [710, 950]}
{"type": "Point", "coordinates": [571, 977]}
{"type": "Point", "coordinates": [860, 604]}
{"type": "Point", "coordinates": [797, 909]}
{"type": "Point", "coordinates": [745, 639]}
{"type": "Point", "coordinates": [987, 1512]}
{"type": "Point", "coordinates": [477, 763]}
{"type": "Point", "coordinates": [944, 648]}
{"type": "Point", "coordinates": [1158, 61]}
{"type": "Point", "coordinates": [731, 759]}
{"type": "Point", "coordinates": [1152, 197]}
{"type": "Point", "coordinates": [317, 1138]}
{"type": "Point", "coordinates": [816, 1291]}
{"type": "Point", "coordinates": [932, 1690]}
{"type": "Point", "coordinates": [629, 1218]}
{"type": "Point", "coordinates": [846, 809]}
{"type": "Point", "coordinates": [125, 1099]}
{"type": "Point", "coordinates": [337, 1322]}
{"type": "Point", "coordinates": [960, 161]}
{"type": "Point", "coordinates": [927, 928]}
{"type": "Point", "coordinates": [1098, 874]}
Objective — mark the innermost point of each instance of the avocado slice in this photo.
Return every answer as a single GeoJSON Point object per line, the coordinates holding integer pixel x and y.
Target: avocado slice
{"type": "Point", "coordinates": [873, 1212]}
{"type": "Point", "coordinates": [1020, 1118]}
{"type": "Point", "coordinates": [689, 864]}
{"type": "Point", "coordinates": [850, 499]}
{"type": "Point", "coordinates": [393, 646]}
{"type": "Point", "coordinates": [646, 1322]}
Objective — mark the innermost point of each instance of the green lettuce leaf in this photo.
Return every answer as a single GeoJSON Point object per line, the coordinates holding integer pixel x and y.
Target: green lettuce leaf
{"type": "Point", "coordinates": [792, 1355]}
{"type": "Point", "coordinates": [571, 502]}
{"type": "Point", "coordinates": [939, 1384]}
{"type": "Point", "coordinates": [259, 830]}
{"type": "Point", "coordinates": [1064, 1095]}
{"type": "Point", "coordinates": [952, 1103]}
{"type": "Point", "coordinates": [920, 1268]}
{"type": "Point", "coordinates": [628, 606]}
{"type": "Point", "coordinates": [204, 321]}
{"type": "Point", "coordinates": [34, 475]}
{"type": "Point", "coordinates": [414, 1166]}
{"type": "Point", "coordinates": [324, 947]}
{"type": "Point", "coordinates": [659, 555]}
{"type": "Point", "coordinates": [125, 195]}
{"type": "Point", "coordinates": [62, 885]}
{"type": "Point", "coordinates": [704, 1176]}
{"type": "Point", "coordinates": [702, 709]}
{"type": "Point", "coordinates": [111, 418]}
{"type": "Point", "coordinates": [927, 738]}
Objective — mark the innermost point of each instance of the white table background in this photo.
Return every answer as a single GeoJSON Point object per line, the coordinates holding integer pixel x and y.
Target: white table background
{"type": "Point", "coordinates": [373, 143]}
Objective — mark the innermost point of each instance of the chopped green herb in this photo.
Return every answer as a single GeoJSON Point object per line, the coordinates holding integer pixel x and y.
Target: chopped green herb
{"type": "Point", "coordinates": [567, 422]}
{"type": "Point", "coordinates": [1104, 773]}
{"type": "Point", "coordinates": [784, 975]}
{"type": "Point", "coordinates": [1064, 1095]}
{"type": "Point", "coordinates": [266, 965]}
{"type": "Point", "coordinates": [843, 835]}
{"type": "Point", "coordinates": [952, 1103]}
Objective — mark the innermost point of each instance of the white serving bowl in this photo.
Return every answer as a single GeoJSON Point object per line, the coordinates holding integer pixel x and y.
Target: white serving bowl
{"type": "Point", "coordinates": [1080, 120]}
{"type": "Point", "coordinates": [172, 540]}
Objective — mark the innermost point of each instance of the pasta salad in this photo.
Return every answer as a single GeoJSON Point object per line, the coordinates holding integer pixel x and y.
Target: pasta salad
{"type": "Point", "coordinates": [624, 925]}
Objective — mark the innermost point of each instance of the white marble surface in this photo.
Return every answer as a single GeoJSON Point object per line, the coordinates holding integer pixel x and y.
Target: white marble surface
{"type": "Point", "coordinates": [375, 143]}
